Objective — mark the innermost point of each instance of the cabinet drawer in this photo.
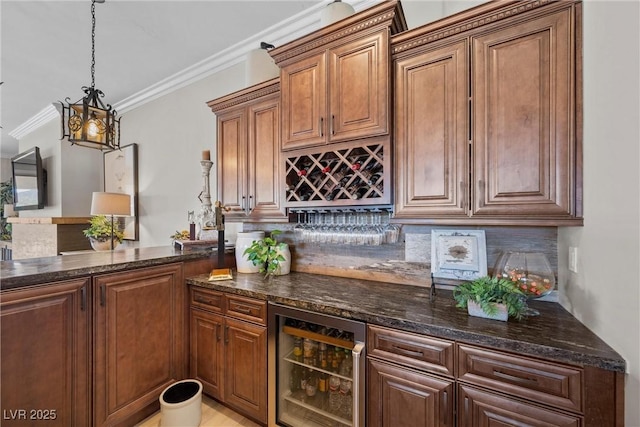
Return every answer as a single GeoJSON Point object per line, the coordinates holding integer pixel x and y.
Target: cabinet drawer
{"type": "Point", "coordinates": [544, 382]}
{"type": "Point", "coordinates": [418, 351]}
{"type": "Point", "coordinates": [207, 299]}
{"type": "Point", "coordinates": [476, 407]}
{"type": "Point", "coordinates": [246, 309]}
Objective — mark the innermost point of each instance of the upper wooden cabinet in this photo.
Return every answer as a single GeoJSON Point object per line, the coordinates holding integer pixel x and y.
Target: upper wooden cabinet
{"type": "Point", "coordinates": [249, 173]}
{"type": "Point", "coordinates": [336, 81]}
{"type": "Point", "coordinates": [488, 119]}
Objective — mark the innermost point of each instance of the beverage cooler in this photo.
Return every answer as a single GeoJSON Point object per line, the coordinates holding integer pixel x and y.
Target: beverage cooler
{"type": "Point", "coordinates": [316, 369]}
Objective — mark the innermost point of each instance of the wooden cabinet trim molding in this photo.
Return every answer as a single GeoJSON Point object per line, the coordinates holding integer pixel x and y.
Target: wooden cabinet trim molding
{"type": "Point", "coordinates": [245, 95]}
{"type": "Point", "coordinates": [386, 14]}
{"type": "Point", "coordinates": [476, 18]}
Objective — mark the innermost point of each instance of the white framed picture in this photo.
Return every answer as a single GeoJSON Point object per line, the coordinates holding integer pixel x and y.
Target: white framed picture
{"type": "Point", "coordinates": [458, 254]}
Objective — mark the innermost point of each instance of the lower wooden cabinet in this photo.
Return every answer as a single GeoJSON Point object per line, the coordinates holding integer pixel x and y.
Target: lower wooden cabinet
{"type": "Point", "coordinates": [44, 355]}
{"type": "Point", "coordinates": [418, 380]}
{"type": "Point", "coordinates": [402, 389]}
{"type": "Point", "coordinates": [138, 341]}
{"type": "Point", "coordinates": [477, 407]}
{"type": "Point", "coordinates": [403, 397]}
{"type": "Point", "coordinates": [228, 343]}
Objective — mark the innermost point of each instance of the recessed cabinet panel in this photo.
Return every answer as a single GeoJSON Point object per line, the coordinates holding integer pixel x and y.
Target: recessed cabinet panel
{"type": "Point", "coordinates": [359, 82]}
{"type": "Point", "coordinates": [44, 356]}
{"type": "Point", "coordinates": [231, 150]}
{"type": "Point", "coordinates": [401, 397]}
{"type": "Point", "coordinates": [431, 138]}
{"type": "Point", "coordinates": [138, 340]}
{"type": "Point", "coordinates": [304, 102]}
{"type": "Point", "coordinates": [523, 95]}
{"type": "Point", "coordinates": [265, 190]}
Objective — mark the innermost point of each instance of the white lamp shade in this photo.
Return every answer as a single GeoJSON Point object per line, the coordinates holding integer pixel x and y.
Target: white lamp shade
{"type": "Point", "coordinates": [9, 211]}
{"type": "Point", "coordinates": [260, 67]}
{"type": "Point", "coordinates": [334, 12]}
{"type": "Point", "coordinates": [116, 204]}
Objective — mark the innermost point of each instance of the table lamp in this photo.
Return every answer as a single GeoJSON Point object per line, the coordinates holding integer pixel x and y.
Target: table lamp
{"type": "Point", "coordinates": [112, 204]}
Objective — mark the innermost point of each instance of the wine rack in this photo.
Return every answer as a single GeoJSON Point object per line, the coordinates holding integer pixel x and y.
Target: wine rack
{"type": "Point", "coordinates": [351, 175]}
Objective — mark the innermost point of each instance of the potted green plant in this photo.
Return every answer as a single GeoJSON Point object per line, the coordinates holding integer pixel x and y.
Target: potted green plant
{"type": "Point", "coordinates": [491, 297]}
{"type": "Point", "coordinates": [273, 257]}
{"type": "Point", "coordinates": [99, 233]}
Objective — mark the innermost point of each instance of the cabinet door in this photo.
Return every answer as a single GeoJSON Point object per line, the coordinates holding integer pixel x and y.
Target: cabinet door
{"type": "Point", "coordinates": [479, 408]}
{"type": "Point", "coordinates": [245, 386]}
{"type": "Point", "coordinates": [304, 102]}
{"type": "Point", "coordinates": [232, 161]}
{"type": "Point", "coordinates": [44, 355]}
{"type": "Point", "coordinates": [431, 136]}
{"type": "Point", "coordinates": [138, 341]}
{"type": "Point", "coordinates": [265, 176]}
{"type": "Point", "coordinates": [400, 397]}
{"type": "Point", "coordinates": [359, 88]}
{"type": "Point", "coordinates": [206, 353]}
{"type": "Point", "coordinates": [524, 136]}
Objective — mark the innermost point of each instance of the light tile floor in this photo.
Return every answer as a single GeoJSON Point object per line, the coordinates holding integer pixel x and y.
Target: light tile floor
{"type": "Point", "coordinates": [214, 414]}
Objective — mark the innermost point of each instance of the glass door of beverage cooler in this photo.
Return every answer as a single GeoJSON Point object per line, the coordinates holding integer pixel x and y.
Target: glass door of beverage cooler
{"type": "Point", "coordinates": [316, 365]}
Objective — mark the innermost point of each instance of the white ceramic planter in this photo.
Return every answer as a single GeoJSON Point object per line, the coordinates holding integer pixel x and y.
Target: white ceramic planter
{"type": "Point", "coordinates": [475, 310]}
{"type": "Point", "coordinates": [103, 246]}
{"type": "Point", "coordinates": [243, 241]}
{"type": "Point", "coordinates": [285, 266]}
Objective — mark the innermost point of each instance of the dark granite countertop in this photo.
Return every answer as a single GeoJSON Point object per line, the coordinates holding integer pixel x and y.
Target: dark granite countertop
{"type": "Point", "coordinates": [555, 334]}
{"type": "Point", "coordinates": [31, 271]}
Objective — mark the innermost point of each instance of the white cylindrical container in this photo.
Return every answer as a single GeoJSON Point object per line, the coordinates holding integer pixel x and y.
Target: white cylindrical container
{"type": "Point", "coordinates": [181, 404]}
{"type": "Point", "coordinates": [243, 241]}
{"type": "Point", "coordinates": [285, 266]}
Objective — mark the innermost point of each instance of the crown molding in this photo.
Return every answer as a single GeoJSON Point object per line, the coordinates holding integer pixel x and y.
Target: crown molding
{"type": "Point", "coordinates": [296, 26]}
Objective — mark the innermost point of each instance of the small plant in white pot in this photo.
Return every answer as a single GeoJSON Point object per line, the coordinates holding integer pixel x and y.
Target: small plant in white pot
{"type": "Point", "coordinates": [491, 297]}
{"type": "Point", "coordinates": [99, 233]}
{"type": "Point", "coordinates": [273, 257]}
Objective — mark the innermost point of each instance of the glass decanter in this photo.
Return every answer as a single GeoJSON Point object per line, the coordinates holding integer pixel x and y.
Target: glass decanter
{"type": "Point", "coordinates": [530, 270]}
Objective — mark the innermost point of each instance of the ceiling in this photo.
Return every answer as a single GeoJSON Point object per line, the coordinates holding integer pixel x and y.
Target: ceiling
{"type": "Point", "coordinates": [46, 46]}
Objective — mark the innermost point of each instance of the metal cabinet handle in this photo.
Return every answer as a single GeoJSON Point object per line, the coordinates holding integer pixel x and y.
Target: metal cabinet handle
{"type": "Point", "coordinates": [321, 125]}
{"type": "Point", "coordinates": [357, 352]}
{"type": "Point", "coordinates": [218, 332]}
{"type": "Point", "coordinates": [83, 298]}
{"type": "Point", "coordinates": [408, 351]}
{"type": "Point", "coordinates": [242, 203]}
{"type": "Point", "coordinates": [333, 119]}
{"type": "Point", "coordinates": [463, 193]}
{"type": "Point", "coordinates": [250, 204]}
{"type": "Point", "coordinates": [242, 309]}
{"type": "Point", "coordinates": [226, 334]}
{"type": "Point", "coordinates": [480, 193]}
{"type": "Point", "coordinates": [514, 378]}
{"type": "Point", "coordinates": [103, 295]}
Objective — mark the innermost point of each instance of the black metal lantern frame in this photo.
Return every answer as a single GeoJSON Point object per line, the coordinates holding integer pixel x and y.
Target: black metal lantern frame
{"type": "Point", "coordinates": [89, 122]}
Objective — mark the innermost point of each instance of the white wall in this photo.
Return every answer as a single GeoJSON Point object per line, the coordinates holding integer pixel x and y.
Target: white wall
{"type": "Point", "coordinates": [171, 133]}
{"type": "Point", "coordinates": [73, 173]}
{"type": "Point", "coordinates": [604, 294]}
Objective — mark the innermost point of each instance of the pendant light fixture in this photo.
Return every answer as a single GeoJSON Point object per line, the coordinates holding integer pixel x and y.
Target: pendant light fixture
{"type": "Point", "coordinates": [335, 11]}
{"type": "Point", "coordinates": [89, 122]}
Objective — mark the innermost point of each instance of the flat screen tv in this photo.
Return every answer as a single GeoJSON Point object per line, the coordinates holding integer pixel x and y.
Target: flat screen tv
{"type": "Point", "coordinates": [29, 181]}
